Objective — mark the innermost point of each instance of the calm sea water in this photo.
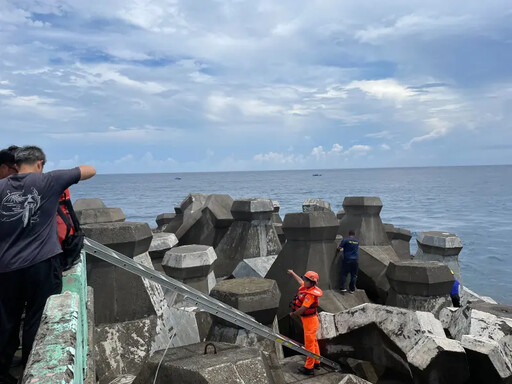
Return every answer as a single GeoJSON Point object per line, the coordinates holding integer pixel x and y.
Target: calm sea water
{"type": "Point", "coordinates": [473, 202]}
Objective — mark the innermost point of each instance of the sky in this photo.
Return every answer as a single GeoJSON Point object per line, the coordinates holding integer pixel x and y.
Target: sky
{"type": "Point", "coordinates": [229, 85]}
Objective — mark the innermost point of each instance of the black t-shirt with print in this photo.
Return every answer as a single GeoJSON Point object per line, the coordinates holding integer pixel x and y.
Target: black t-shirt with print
{"type": "Point", "coordinates": [28, 225]}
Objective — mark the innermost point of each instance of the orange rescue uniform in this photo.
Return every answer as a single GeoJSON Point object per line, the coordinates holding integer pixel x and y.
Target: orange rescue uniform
{"type": "Point", "coordinates": [309, 298]}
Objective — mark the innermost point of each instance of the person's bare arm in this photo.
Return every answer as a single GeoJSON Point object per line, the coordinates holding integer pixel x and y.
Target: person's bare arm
{"type": "Point", "coordinates": [86, 172]}
{"type": "Point", "coordinates": [294, 275]}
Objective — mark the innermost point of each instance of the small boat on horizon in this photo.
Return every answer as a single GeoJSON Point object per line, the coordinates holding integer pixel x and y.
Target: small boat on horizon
{"type": "Point", "coordinates": [317, 174]}
{"type": "Point", "coordinates": [177, 178]}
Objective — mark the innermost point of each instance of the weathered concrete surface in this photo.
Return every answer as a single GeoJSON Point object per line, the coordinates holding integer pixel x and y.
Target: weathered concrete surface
{"type": "Point", "coordinates": [123, 379]}
{"type": "Point", "coordinates": [322, 376]}
{"type": "Point", "coordinates": [362, 216]}
{"type": "Point", "coordinates": [100, 215]}
{"type": "Point", "coordinates": [95, 203]}
{"type": "Point", "coordinates": [57, 343]}
{"type": "Point", "coordinates": [419, 285]}
{"type": "Point", "coordinates": [161, 243]}
{"type": "Point", "coordinates": [255, 267]}
{"type": "Point", "coordinates": [176, 222]}
{"type": "Point", "coordinates": [192, 265]}
{"type": "Point", "coordinates": [207, 224]}
{"type": "Point", "coordinates": [189, 364]}
{"type": "Point", "coordinates": [128, 238]}
{"type": "Point", "coordinates": [412, 346]}
{"type": "Point", "coordinates": [163, 219]}
{"type": "Point", "coordinates": [334, 301]}
{"type": "Point", "coordinates": [91, 339]}
{"type": "Point", "coordinates": [313, 205]}
{"type": "Point", "coordinates": [122, 347]}
{"type": "Point", "coordinates": [257, 297]}
{"type": "Point", "coordinates": [119, 295]}
{"type": "Point", "coordinates": [486, 335]}
{"type": "Point", "coordinates": [373, 262]}
{"type": "Point", "coordinates": [309, 246]}
{"type": "Point", "coordinates": [251, 235]}
{"type": "Point", "coordinates": [400, 240]}
{"type": "Point", "coordinates": [440, 246]}
{"type": "Point", "coordinates": [278, 222]}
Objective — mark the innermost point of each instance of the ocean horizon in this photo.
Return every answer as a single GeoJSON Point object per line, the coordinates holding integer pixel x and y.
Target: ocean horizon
{"type": "Point", "coordinates": [474, 202]}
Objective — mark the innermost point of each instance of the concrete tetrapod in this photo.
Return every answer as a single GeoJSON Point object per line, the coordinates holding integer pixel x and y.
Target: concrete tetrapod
{"type": "Point", "coordinates": [197, 363]}
{"type": "Point", "coordinates": [313, 205]}
{"type": "Point", "coordinates": [362, 216]}
{"type": "Point", "coordinates": [422, 286]}
{"type": "Point", "coordinates": [163, 219]}
{"type": "Point", "coordinates": [487, 338]}
{"type": "Point", "coordinates": [100, 215]}
{"type": "Point", "coordinates": [258, 298]}
{"type": "Point", "coordinates": [192, 265]}
{"type": "Point", "coordinates": [440, 246]}
{"type": "Point", "coordinates": [119, 296]}
{"type": "Point", "coordinates": [93, 203]}
{"type": "Point", "coordinates": [400, 239]}
{"type": "Point", "coordinates": [410, 345]}
{"type": "Point", "coordinates": [252, 234]}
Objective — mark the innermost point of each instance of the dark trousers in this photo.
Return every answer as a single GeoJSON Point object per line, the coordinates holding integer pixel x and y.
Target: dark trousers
{"type": "Point", "coordinates": [26, 289]}
{"type": "Point", "coordinates": [349, 266]}
{"type": "Point", "coordinates": [455, 300]}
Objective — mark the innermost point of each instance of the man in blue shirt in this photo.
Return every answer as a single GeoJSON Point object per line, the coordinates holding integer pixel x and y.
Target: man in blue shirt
{"type": "Point", "coordinates": [30, 270]}
{"type": "Point", "coordinates": [350, 263]}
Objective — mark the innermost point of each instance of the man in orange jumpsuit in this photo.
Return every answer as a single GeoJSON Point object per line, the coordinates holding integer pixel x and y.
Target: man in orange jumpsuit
{"type": "Point", "coordinates": [305, 305]}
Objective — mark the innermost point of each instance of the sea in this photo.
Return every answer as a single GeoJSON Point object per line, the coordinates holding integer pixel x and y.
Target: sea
{"type": "Point", "coordinates": [474, 202]}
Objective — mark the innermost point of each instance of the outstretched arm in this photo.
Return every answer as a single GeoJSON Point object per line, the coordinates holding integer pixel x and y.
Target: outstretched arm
{"type": "Point", "coordinates": [295, 276]}
{"type": "Point", "coordinates": [86, 172]}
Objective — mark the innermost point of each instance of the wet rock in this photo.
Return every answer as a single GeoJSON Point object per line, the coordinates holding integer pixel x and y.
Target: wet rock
{"type": "Point", "coordinates": [422, 286]}
{"type": "Point", "coordinates": [251, 235]}
{"type": "Point", "coordinates": [313, 205]}
{"type": "Point", "coordinates": [400, 240]}
{"type": "Point", "coordinates": [95, 203]}
{"type": "Point", "coordinates": [468, 296]}
{"type": "Point", "coordinates": [189, 364]}
{"type": "Point", "coordinates": [440, 246]}
{"type": "Point", "coordinates": [412, 346]}
{"type": "Point", "coordinates": [192, 265]}
{"type": "Point", "coordinates": [255, 267]}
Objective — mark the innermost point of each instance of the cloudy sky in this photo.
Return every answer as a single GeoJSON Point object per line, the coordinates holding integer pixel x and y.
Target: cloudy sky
{"type": "Point", "coordinates": [181, 85]}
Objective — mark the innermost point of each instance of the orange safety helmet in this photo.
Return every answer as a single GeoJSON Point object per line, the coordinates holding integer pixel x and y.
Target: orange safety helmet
{"type": "Point", "coordinates": [311, 275]}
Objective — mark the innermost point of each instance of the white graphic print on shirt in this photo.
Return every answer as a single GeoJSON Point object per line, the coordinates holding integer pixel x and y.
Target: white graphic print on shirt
{"type": "Point", "coordinates": [16, 205]}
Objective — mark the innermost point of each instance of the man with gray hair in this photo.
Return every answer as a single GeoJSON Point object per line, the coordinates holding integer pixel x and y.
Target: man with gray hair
{"type": "Point", "coordinates": [30, 270]}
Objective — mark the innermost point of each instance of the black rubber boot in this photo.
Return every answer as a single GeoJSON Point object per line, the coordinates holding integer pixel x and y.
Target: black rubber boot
{"type": "Point", "coordinates": [306, 371]}
{"type": "Point", "coordinates": [317, 365]}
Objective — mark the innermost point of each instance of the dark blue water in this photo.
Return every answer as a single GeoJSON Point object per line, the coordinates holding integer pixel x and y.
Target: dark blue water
{"type": "Point", "coordinates": [473, 202]}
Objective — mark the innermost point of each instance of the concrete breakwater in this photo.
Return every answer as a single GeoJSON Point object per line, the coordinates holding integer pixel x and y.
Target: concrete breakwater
{"type": "Point", "coordinates": [398, 327]}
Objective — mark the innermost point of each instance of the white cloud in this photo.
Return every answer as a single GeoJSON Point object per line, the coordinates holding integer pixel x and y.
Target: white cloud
{"type": "Point", "coordinates": [278, 158]}
{"type": "Point", "coordinates": [43, 106]}
{"type": "Point", "coordinates": [385, 147]}
{"type": "Point", "coordinates": [358, 150]}
{"type": "Point", "coordinates": [379, 135]}
{"type": "Point", "coordinates": [382, 89]}
{"type": "Point", "coordinates": [147, 134]}
{"type": "Point", "coordinates": [7, 92]}
{"type": "Point", "coordinates": [438, 128]}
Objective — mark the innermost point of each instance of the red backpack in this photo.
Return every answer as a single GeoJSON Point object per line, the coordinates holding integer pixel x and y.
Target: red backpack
{"type": "Point", "coordinates": [70, 235]}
